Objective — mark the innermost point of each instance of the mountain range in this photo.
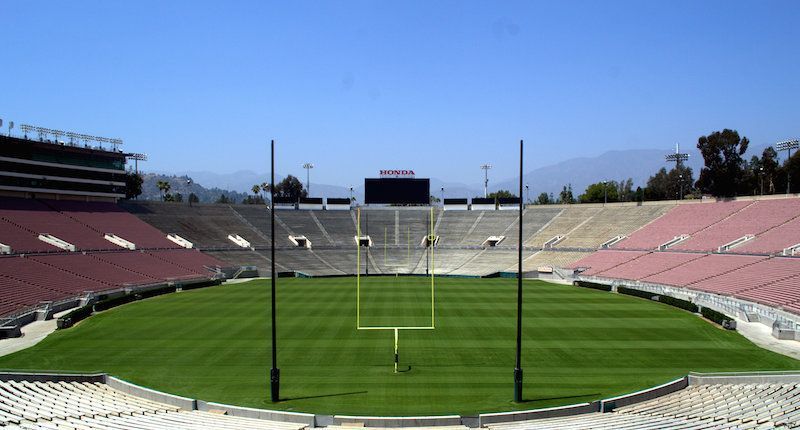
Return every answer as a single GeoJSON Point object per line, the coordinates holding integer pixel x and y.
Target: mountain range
{"type": "Point", "coordinates": [638, 164]}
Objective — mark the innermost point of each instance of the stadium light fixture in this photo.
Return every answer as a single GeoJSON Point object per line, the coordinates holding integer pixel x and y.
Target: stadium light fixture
{"type": "Point", "coordinates": [486, 168]}
{"type": "Point", "coordinates": [308, 167]}
{"type": "Point", "coordinates": [788, 145]}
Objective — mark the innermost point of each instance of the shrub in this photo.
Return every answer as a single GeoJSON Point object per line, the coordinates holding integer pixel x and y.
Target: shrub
{"type": "Point", "coordinates": [719, 318]}
{"type": "Point", "coordinates": [71, 318]}
{"type": "Point", "coordinates": [678, 303]}
{"type": "Point", "coordinates": [634, 292]}
{"type": "Point", "coordinates": [593, 285]}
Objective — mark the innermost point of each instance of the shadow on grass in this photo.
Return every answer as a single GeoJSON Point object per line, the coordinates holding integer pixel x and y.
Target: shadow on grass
{"type": "Point", "coordinates": [561, 398]}
{"type": "Point", "coordinates": [323, 395]}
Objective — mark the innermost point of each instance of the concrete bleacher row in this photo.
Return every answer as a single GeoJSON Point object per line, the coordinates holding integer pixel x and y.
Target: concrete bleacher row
{"type": "Point", "coordinates": [766, 280]}
{"type": "Point", "coordinates": [705, 406]}
{"type": "Point", "coordinates": [720, 401]}
{"type": "Point", "coordinates": [93, 405]}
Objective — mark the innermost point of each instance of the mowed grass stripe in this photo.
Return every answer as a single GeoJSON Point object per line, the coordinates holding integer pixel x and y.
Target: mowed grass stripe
{"type": "Point", "coordinates": [214, 344]}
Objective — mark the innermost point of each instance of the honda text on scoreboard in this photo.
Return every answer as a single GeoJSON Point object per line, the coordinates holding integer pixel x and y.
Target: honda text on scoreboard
{"type": "Point", "coordinates": [399, 187]}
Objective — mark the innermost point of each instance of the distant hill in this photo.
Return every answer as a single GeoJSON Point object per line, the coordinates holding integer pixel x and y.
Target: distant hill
{"type": "Point", "coordinates": [178, 184]}
{"type": "Point", "coordinates": [638, 164]}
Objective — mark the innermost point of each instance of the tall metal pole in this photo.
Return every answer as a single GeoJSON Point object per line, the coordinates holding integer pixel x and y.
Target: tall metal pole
{"type": "Point", "coordinates": [274, 373]}
{"type": "Point", "coordinates": [518, 367]}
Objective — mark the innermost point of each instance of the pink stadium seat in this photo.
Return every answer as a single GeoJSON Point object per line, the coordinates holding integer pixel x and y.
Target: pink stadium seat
{"type": "Point", "coordinates": [37, 218]}
{"type": "Point", "coordinates": [60, 282]}
{"type": "Point", "coordinates": [22, 240]}
{"type": "Point", "coordinates": [147, 265]}
{"type": "Point", "coordinates": [650, 264]}
{"type": "Point", "coordinates": [780, 293]}
{"type": "Point", "coordinates": [750, 276]}
{"type": "Point", "coordinates": [98, 270]}
{"type": "Point", "coordinates": [188, 259]}
{"type": "Point", "coordinates": [110, 218]}
{"type": "Point", "coordinates": [701, 268]}
{"type": "Point", "coordinates": [601, 261]}
{"type": "Point", "coordinates": [754, 219]}
{"type": "Point", "coordinates": [773, 241]}
{"type": "Point", "coordinates": [683, 219]}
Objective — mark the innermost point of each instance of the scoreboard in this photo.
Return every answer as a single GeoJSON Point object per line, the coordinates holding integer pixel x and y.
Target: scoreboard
{"type": "Point", "coordinates": [397, 187]}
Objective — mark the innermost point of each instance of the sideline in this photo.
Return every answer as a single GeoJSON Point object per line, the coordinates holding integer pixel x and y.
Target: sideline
{"type": "Point", "coordinates": [32, 334]}
{"type": "Point", "coordinates": [761, 335]}
{"type": "Point", "coordinates": [756, 332]}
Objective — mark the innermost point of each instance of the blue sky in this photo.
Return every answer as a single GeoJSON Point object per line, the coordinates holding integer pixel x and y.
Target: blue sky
{"type": "Point", "coordinates": [438, 87]}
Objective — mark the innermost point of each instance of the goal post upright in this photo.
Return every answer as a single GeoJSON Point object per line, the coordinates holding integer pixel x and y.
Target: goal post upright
{"type": "Point", "coordinates": [431, 272]}
{"type": "Point", "coordinates": [358, 268]}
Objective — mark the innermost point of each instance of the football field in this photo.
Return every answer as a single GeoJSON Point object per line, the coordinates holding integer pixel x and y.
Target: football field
{"type": "Point", "coordinates": [214, 344]}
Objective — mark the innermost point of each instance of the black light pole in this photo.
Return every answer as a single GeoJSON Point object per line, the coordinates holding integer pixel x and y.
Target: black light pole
{"type": "Point", "coordinates": [274, 373]}
{"type": "Point", "coordinates": [518, 367]}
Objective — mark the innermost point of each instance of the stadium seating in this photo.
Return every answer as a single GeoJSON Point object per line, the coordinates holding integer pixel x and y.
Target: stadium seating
{"type": "Point", "coordinates": [753, 219]}
{"type": "Point", "coordinates": [146, 264]}
{"type": "Point", "coordinates": [492, 223]}
{"type": "Point", "coordinates": [750, 276]}
{"type": "Point", "coordinates": [601, 261]}
{"type": "Point", "coordinates": [649, 264]}
{"type": "Point", "coordinates": [774, 240]}
{"type": "Point", "coordinates": [110, 218]}
{"type": "Point", "coordinates": [84, 405]}
{"type": "Point", "coordinates": [683, 219]}
{"type": "Point", "coordinates": [37, 218]}
{"type": "Point", "coordinates": [701, 269]}
{"type": "Point", "coordinates": [453, 226]}
{"type": "Point", "coordinates": [98, 270]}
{"type": "Point", "coordinates": [570, 218]}
{"type": "Point", "coordinates": [533, 219]}
{"type": "Point", "coordinates": [549, 259]}
{"type": "Point", "coordinates": [718, 406]}
{"type": "Point", "coordinates": [610, 222]}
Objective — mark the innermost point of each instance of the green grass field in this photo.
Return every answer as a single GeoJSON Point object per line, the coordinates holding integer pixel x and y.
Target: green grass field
{"type": "Point", "coordinates": [579, 345]}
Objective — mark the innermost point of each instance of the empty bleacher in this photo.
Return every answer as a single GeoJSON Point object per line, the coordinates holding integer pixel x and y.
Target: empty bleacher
{"type": "Point", "coordinates": [533, 219]}
{"type": "Point", "coordinates": [600, 261]}
{"type": "Point", "coordinates": [570, 218]}
{"type": "Point", "coordinates": [753, 219]}
{"type": "Point", "coordinates": [649, 264]}
{"type": "Point", "coordinates": [701, 268]}
{"type": "Point", "coordinates": [93, 405]}
{"type": "Point", "coordinates": [38, 218]}
{"type": "Point", "coordinates": [489, 223]}
{"type": "Point", "coordinates": [682, 219]}
{"type": "Point", "coordinates": [110, 218]}
{"type": "Point", "coordinates": [610, 222]}
{"type": "Point", "coordinates": [712, 406]}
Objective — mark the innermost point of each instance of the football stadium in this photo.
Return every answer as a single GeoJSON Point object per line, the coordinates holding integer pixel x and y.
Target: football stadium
{"type": "Point", "coordinates": [291, 234]}
{"type": "Point", "coordinates": [391, 313]}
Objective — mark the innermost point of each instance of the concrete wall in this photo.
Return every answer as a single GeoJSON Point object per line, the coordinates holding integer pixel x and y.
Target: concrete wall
{"type": "Point", "coordinates": [609, 405]}
{"type": "Point", "coordinates": [561, 411]}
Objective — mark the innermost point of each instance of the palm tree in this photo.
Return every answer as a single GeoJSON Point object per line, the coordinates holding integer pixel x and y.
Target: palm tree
{"type": "Point", "coordinates": [265, 187]}
{"type": "Point", "coordinates": [256, 188]}
{"type": "Point", "coordinates": [164, 187]}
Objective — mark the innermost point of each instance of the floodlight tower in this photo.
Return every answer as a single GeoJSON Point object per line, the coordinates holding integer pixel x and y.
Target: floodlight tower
{"type": "Point", "coordinates": [486, 168]}
{"type": "Point", "coordinates": [678, 158]}
{"type": "Point", "coordinates": [788, 145]}
{"type": "Point", "coordinates": [308, 167]}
